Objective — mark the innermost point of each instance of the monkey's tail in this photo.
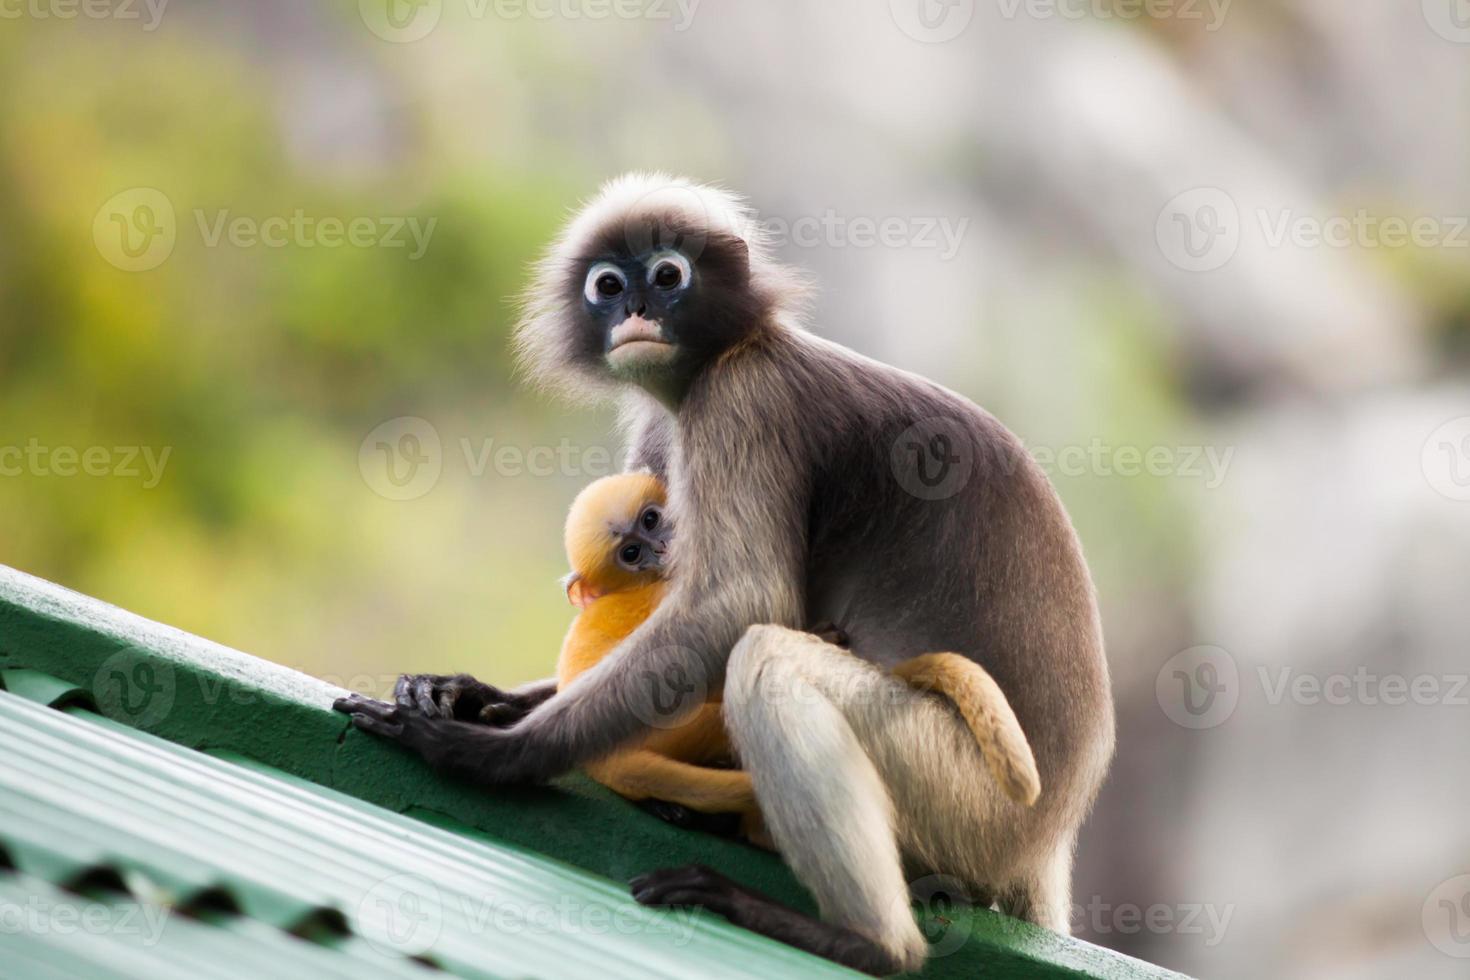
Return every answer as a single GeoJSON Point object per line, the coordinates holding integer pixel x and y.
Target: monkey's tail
{"type": "Point", "coordinates": [985, 709]}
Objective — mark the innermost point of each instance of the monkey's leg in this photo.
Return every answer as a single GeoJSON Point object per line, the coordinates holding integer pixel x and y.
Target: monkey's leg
{"type": "Point", "coordinates": [640, 774]}
{"type": "Point", "coordinates": [701, 739]}
{"type": "Point", "coordinates": [985, 709]}
{"type": "Point", "coordinates": [825, 804]}
{"type": "Point", "coordinates": [854, 768]}
{"type": "Point", "coordinates": [670, 773]}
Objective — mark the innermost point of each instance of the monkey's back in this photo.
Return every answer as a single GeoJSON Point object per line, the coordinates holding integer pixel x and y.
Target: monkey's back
{"type": "Point", "coordinates": [981, 561]}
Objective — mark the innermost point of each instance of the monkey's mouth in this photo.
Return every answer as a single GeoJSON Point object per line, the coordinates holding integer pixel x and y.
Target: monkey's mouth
{"type": "Point", "coordinates": [638, 341]}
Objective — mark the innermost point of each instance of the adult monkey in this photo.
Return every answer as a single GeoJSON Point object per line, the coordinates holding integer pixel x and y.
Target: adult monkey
{"type": "Point", "coordinates": [808, 484]}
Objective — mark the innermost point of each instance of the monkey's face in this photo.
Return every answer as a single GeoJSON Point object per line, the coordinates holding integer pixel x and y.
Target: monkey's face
{"type": "Point", "coordinates": [650, 283]}
{"type": "Point", "coordinates": [636, 302]}
{"type": "Point", "coordinates": [656, 316]}
{"type": "Point", "coordinates": [635, 553]}
{"type": "Point", "coordinates": [643, 545]}
{"type": "Point", "coordinates": [618, 534]}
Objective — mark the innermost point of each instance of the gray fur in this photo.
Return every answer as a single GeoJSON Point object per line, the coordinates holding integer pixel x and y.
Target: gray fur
{"type": "Point", "coordinates": [779, 453]}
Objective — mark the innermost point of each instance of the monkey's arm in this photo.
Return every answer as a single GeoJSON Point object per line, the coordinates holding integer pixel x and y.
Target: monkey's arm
{"type": "Point", "coordinates": [664, 765]}
{"type": "Point", "coordinates": [664, 670]}
{"type": "Point", "coordinates": [742, 510]}
{"type": "Point", "coordinates": [986, 711]}
{"type": "Point", "coordinates": [658, 676]}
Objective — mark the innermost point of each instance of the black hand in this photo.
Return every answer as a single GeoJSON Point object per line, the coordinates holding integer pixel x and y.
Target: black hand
{"type": "Point", "coordinates": [478, 752]}
{"type": "Point", "coordinates": [459, 697]}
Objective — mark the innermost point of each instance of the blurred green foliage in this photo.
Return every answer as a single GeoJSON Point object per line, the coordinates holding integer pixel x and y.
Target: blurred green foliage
{"type": "Point", "coordinates": [260, 370]}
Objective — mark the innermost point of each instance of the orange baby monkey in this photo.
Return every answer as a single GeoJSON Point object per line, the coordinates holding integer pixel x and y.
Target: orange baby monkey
{"type": "Point", "coordinates": [617, 537]}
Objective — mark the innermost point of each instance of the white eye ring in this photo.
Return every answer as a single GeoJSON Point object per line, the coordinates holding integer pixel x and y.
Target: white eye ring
{"type": "Point", "coordinates": [589, 288]}
{"type": "Point", "coordinates": [677, 260]}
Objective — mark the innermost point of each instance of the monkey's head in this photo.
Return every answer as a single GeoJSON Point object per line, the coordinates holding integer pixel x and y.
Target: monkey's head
{"type": "Point", "coordinates": [650, 282]}
{"type": "Point", "coordinates": [617, 536]}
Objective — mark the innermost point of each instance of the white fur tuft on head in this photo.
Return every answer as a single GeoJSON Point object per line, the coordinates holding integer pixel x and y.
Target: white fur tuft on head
{"type": "Point", "coordinates": [642, 208]}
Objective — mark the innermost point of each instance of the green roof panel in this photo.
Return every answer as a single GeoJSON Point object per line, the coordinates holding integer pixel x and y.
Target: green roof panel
{"type": "Point", "coordinates": [149, 769]}
{"type": "Point", "coordinates": [78, 793]}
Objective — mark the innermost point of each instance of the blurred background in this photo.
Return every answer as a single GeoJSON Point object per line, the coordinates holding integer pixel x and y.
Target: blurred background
{"type": "Point", "coordinates": [1210, 259]}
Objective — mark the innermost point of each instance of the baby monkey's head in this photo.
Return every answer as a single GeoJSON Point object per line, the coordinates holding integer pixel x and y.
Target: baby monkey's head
{"type": "Point", "coordinates": [617, 536]}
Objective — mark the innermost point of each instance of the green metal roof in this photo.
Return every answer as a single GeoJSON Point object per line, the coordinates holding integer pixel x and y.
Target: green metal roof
{"type": "Point", "coordinates": [251, 831]}
{"type": "Point", "coordinates": [257, 848]}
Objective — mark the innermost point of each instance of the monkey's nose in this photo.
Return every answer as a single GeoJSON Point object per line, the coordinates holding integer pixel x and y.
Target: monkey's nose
{"type": "Point", "coordinates": [635, 307]}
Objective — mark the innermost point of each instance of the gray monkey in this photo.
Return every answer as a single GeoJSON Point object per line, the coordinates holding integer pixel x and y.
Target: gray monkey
{"type": "Point", "coordinates": [809, 484]}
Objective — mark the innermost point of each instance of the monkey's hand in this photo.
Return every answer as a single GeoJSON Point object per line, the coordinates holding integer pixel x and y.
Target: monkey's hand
{"type": "Point", "coordinates": [459, 697]}
{"type": "Point", "coordinates": [830, 632]}
{"type": "Point", "coordinates": [478, 752]}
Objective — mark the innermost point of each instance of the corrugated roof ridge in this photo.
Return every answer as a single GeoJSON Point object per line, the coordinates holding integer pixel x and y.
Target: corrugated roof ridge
{"type": "Point", "coordinates": [345, 861]}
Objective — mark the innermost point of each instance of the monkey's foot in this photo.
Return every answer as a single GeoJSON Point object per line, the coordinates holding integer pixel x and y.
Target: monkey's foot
{"type": "Point", "coordinates": [720, 824]}
{"type": "Point", "coordinates": [460, 697]}
{"type": "Point", "coordinates": [698, 885]}
{"type": "Point", "coordinates": [693, 884]}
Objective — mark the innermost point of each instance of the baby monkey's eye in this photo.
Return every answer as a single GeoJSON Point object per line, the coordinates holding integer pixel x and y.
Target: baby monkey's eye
{"type": "Point", "coordinates": [630, 553]}
{"type": "Point", "coordinates": [650, 519]}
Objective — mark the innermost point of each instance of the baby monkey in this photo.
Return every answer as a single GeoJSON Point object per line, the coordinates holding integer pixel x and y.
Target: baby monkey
{"type": "Point", "coordinates": [617, 541]}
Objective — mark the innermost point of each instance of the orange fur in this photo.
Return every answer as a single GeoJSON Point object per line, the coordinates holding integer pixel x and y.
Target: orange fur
{"type": "Point", "coordinates": [988, 714]}
{"type": "Point", "coordinates": [668, 764]}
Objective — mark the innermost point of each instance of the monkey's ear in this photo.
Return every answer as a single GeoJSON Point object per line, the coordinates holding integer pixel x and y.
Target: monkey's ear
{"type": "Point", "coordinates": [579, 593]}
{"type": "Point", "coordinates": [737, 250]}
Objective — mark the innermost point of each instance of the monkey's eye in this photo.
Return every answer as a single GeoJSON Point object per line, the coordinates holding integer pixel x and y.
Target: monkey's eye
{"type": "Point", "coordinates": [650, 519]}
{"type": "Point", "coordinates": [669, 270]}
{"type": "Point", "coordinates": [630, 554]}
{"type": "Point", "coordinates": [604, 281]}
